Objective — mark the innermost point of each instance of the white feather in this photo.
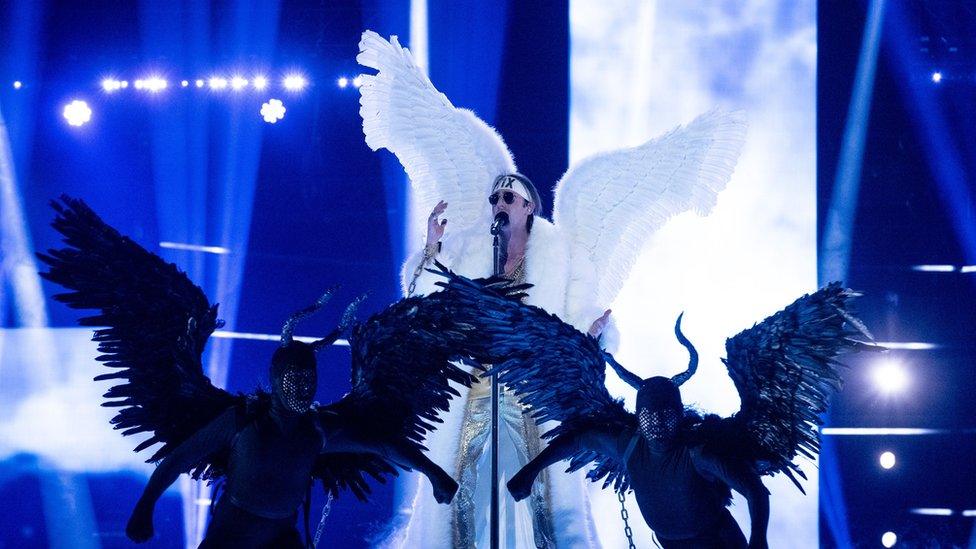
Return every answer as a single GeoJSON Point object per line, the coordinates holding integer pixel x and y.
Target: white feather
{"type": "Point", "coordinates": [448, 153]}
{"type": "Point", "coordinates": [611, 203]}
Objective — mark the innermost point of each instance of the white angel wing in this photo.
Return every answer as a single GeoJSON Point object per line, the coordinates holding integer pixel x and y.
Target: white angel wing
{"type": "Point", "coordinates": [609, 204]}
{"type": "Point", "coordinates": [448, 153]}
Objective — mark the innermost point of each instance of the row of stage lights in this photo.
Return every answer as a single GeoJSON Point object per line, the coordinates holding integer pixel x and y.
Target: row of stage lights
{"type": "Point", "coordinates": [79, 113]}
{"type": "Point", "coordinates": [154, 84]}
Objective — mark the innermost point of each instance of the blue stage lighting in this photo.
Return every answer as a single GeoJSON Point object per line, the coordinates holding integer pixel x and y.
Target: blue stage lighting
{"type": "Point", "coordinates": [358, 81]}
{"type": "Point", "coordinates": [199, 83]}
{"type": "Point", "coordinates": [887, 460]}
{"type": "Point", "coordinates": [139, 83]}
{"type": "Point", "coordinates": [294, 82]}
{"type": "Point", "coordinates": [890, 376]}
{"type": "Point", "coordinates": [124, 84]}
{"type": "Point", "coordinates": [217, 83]}
{"type": "Point", "coordinates": [185, 83]}
{"type": "Point", "coordinates": [111, 85]}
{"type": "Point", "coordinates": [937, 77]}
{"type": "Point", "coordinates": [273, 111]}
{"type": "Point", "coordinates": [18, 84]}
{"type": "Point", "coordinates": [259, 82]}
{"type": "Point", "coordinates": [238, 83]}
{"type": "Point", "coordinates": [154, 84]}
{"type": "Point", "coordinates": [77, 113]}
{"type": "Point", "coordinates": [889, 539]}
{"type": "Point", "coordinates": [342, 82]}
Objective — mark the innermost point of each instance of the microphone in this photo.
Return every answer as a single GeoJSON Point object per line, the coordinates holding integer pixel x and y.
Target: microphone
{"type": "Point", "coordinates": [501, 221]}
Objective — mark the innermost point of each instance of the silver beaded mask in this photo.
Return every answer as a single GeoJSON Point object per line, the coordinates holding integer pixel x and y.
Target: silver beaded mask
{"type": "Point", "coordinates": [296, 388]}
{"type": "Point", "coordinates": [659, 424]}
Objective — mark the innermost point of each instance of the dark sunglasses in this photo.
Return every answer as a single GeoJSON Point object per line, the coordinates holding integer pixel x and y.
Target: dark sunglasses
{"type": "Point", "coordinates": [507, 196]}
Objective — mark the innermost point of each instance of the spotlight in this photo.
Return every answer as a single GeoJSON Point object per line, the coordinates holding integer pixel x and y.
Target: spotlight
{"type": "Point", "coordinates": [294, 82]}
{"type": "Point", "coordinates": [124, 84]}
{"type": "Point", "coordinates": [937, 77]}
{"type": "Point", "coordinates": [77, 113]}
{"type": "Point", "coordinates": [238, 83]}
{"type": "Point", "coordinates": [259, 82]}
{"type": "Point", "coordinates": [185, 83]}
{"type": "Point", "coordinates": [358, 81]}
{"type": "Point", "coordinates": [217, 83]}
{"type": "Point", "coordinates": [18, 84]}
{"type": "Point", "coordinates": [199, 83]}
{"type": "Point", "coordinates": [887, 460]}
{"type": "Point", "coordinates": [889, 539]}
{"type": "Point", "coordinates": [154, 84]}
{"type": "Point", "coordinates": [343, 82]}
{"type": "Point", "coordinates": [110, 85]}
{"type": "Point", "coordinates": [139, 83]}
{"type": "Point", "coordinates": [273, 111]}
{"type": "Point", "coordinates": [890, 377]}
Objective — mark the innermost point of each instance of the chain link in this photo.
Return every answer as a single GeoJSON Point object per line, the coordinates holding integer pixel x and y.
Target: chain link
{"type": "Point", "coordinates": [625, 516]}
{"type": "Point", "coordinates": [420, 268]}
{"type": "Point", "coordinates": [326, 509]}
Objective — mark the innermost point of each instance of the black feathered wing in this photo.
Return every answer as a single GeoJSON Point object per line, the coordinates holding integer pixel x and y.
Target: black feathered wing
{"type": "Point", "coordinates": [785, 370]}
{"type": "Point", "coordinates": [554, 369]}
{"type": "Point", "coordinates": [156, 325]}
{"type": "Point", "coordinates": [404, 365]}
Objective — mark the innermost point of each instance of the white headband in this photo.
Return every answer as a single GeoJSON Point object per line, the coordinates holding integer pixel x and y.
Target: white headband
{"type": "Point", "coordinates": [511, 183]}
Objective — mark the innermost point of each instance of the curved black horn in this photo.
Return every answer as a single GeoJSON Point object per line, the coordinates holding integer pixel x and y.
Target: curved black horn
{"type": "Point", "coordinates": [289, 327]}
{"type": "Point", "coordinates": [692, 361]}
{"type": "Point", "coordinates": [631, 378]}
{"type": "Point", "coordinates": [347, 318]}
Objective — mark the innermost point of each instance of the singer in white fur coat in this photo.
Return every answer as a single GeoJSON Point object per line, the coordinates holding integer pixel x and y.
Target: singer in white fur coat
{"type": "Point", "coordinates": [605, 209]}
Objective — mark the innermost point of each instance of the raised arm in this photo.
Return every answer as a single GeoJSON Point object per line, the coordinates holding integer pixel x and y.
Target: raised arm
{"type": "Point", "coordinates": [402, 454]}
{"type": "Point", "coordinates": [215, 435]}
{"type": "Point", "coordinates": [743, 479]}
{"type": "Point", "coordinates": [562, 447]}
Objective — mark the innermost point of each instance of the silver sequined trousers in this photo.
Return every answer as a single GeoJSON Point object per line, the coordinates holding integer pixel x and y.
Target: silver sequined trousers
{"type": "Point", "coordinates": [519, 442]}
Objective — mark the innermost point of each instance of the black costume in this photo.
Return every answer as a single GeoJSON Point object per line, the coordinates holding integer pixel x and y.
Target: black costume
{"type": "Point", "coordinates": [268, 446]}
{"type": "Point", "coordinates": [679, 464]}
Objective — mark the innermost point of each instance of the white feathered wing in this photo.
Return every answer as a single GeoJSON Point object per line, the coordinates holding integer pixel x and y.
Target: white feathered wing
{"type": "Point", "coordinates": [609, 204]}
{"type": "Point", "coordinates": [448, 153]}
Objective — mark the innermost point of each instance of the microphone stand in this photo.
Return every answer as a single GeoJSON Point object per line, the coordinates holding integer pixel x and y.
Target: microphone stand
{"type": "Point", "coordinates": [499, 257]}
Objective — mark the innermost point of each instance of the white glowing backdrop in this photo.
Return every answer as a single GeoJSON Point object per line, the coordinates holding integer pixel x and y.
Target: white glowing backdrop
{"type": "Point", "coordinates": [640, 67]}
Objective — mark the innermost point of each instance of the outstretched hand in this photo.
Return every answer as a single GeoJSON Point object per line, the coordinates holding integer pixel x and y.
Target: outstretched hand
{"type": "Point", "coordinates": [444, 489]}
{"type": "Point", "coordinates": [520, 486]}
{"type": "Point", "coordinates": [140, 526]}
{"type": "Point", "coordinates": [436, 226]}
{"type": "Point", "coordinates": [600, 324]}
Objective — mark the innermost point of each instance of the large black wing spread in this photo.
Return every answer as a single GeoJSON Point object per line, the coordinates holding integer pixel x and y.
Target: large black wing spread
{"type": "Point", "coordinates": [785, 370]}
{"type": "Point", "coordinates": [556, 370]}
{"type": "Point", "coordinates": [155, 321]}
{"type": "Point", "coordinates": [405, 361]}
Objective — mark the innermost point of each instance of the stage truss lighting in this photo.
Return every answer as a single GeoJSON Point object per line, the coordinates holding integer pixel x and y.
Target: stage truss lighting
{"type": "Point", "coordinates": [936, 77]}
{"type": "Point", "coordinates": [238, 83]}
{"type": "Point", "coordinates": [342, 81]}
{"type": "Point", "coordinates": [259, 82]}
{"type": "Point", "coordinates": [887, 460]}
{"type": "Point", "coordinates": [294, 82]}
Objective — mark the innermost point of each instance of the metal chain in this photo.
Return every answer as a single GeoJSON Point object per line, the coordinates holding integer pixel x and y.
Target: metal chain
{"type": "Point", "coordinates": [416, 272]}
{"type": "Point", "coordinates": [326, 509]}
{"type": "Point", "coordinates": [624, 515]}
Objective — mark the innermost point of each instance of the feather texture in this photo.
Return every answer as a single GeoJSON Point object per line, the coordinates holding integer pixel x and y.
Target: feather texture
{"type": "Point", "coordinates": [155, 324]}
{"type": "Point", "coordinates": [785, 370]}
{"type": "Point", "coordinates": [553, 368]}
{"type": "Point", "coordinates": [448, 153]}
{"type": "Point", "coordinates": [611, 203]}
